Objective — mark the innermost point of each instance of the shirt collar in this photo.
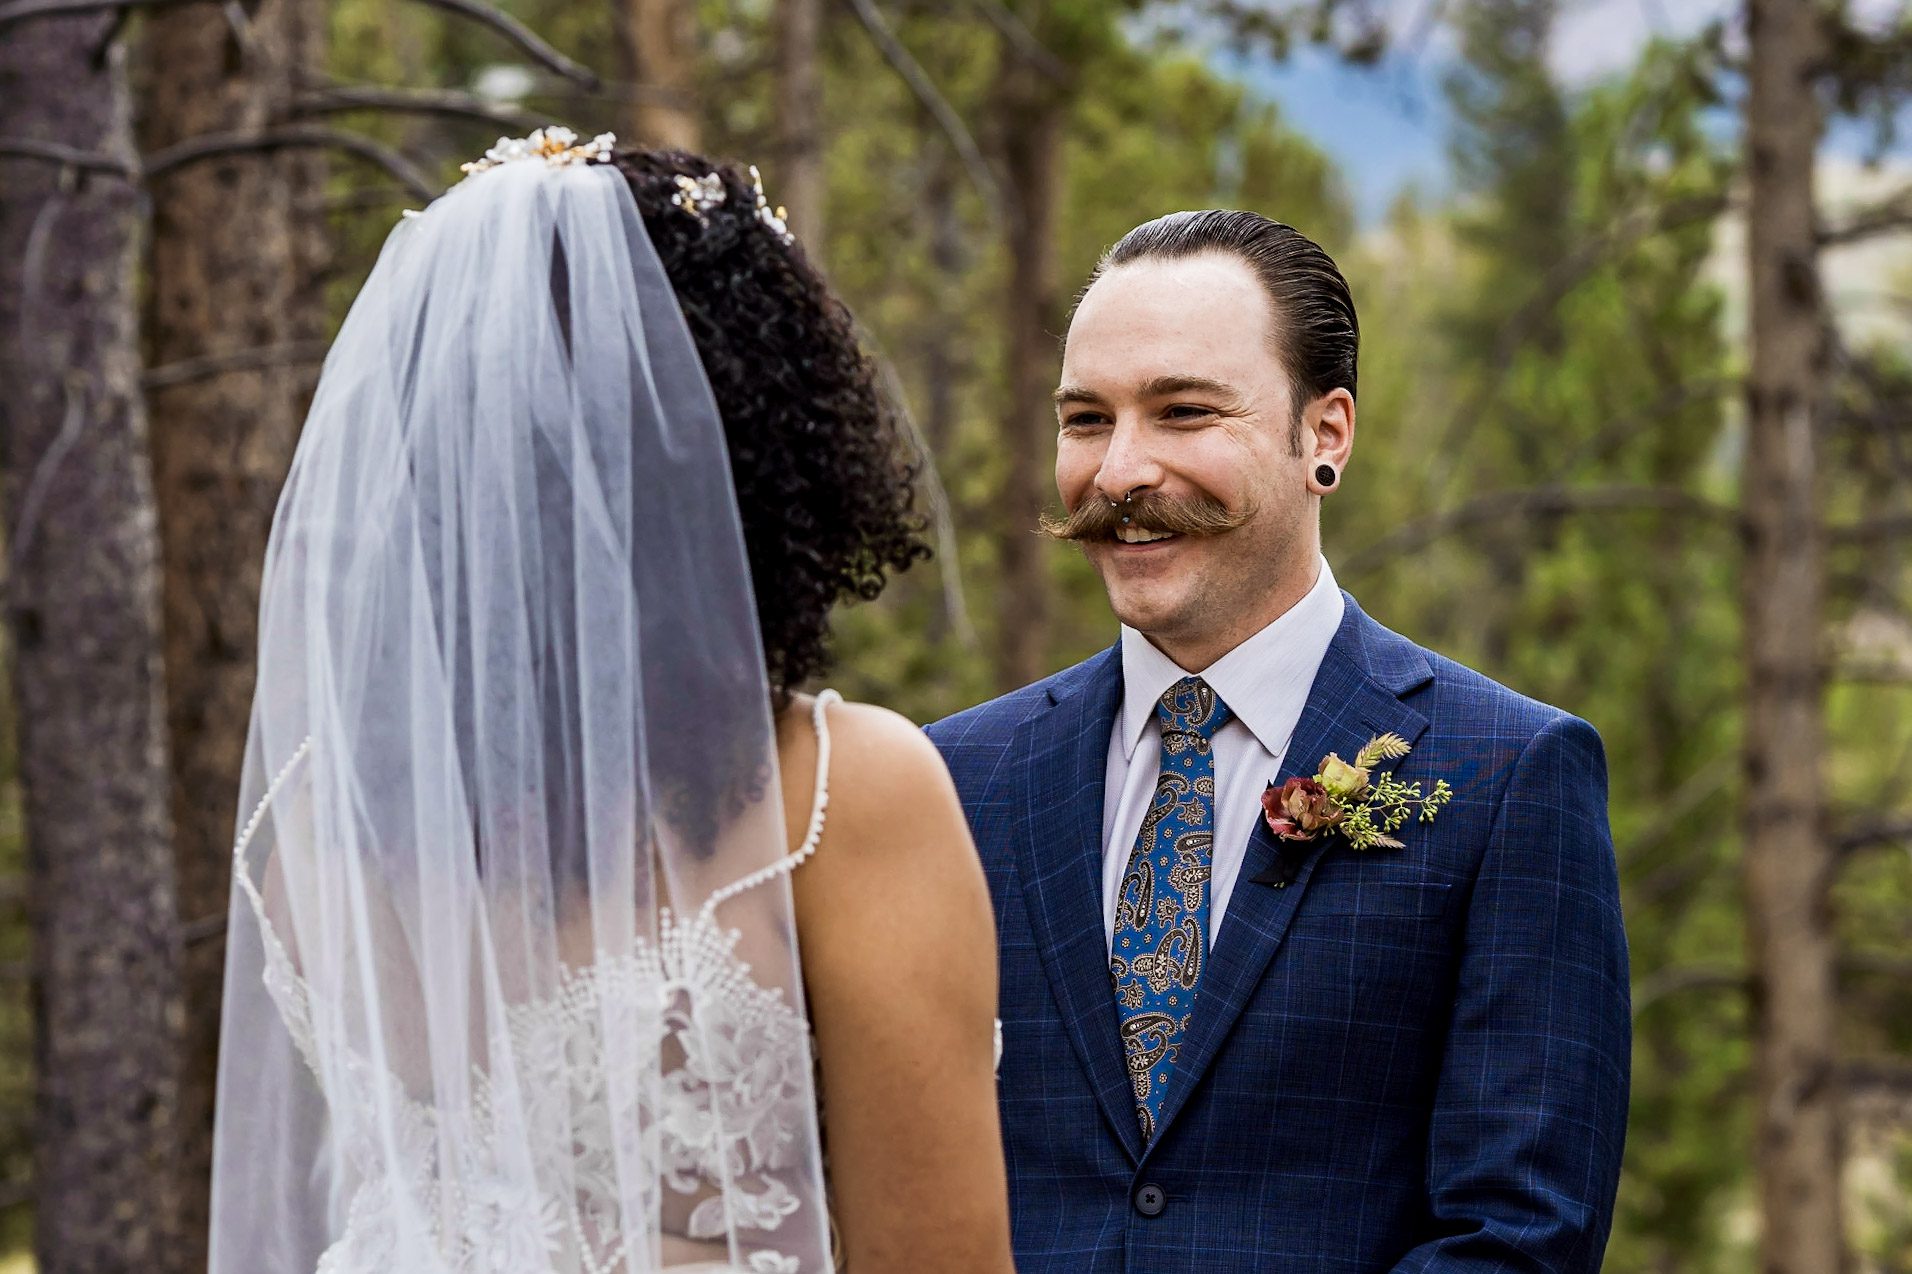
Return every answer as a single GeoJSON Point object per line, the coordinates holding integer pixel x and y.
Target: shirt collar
{"type": "Point", "coordinates": [1264, 681]}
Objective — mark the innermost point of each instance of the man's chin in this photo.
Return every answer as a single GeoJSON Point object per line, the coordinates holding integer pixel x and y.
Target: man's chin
{"type": "Point", "coordinates": [1151, 611]}
{"type": "Point", "coordinates": [1147, 590]}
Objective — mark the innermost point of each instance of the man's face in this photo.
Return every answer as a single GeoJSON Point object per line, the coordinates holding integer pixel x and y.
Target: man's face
{"type": "Point", "coordinates": [1173, 391]}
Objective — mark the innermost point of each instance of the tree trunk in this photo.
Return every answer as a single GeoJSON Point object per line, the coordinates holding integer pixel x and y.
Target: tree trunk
{"type": "Point", "coordinates": [657, 44]}
{"type": "Point", "coordinates": [1030, 112]}
{"type": "Point", "coordinates": [232, 270]}
{"type": "Point", "coordinates": [1789, 862]}
{"type": "Point", "coordinates": [84, 617]}
{"type": "Point", "coordinates": [799, 175]}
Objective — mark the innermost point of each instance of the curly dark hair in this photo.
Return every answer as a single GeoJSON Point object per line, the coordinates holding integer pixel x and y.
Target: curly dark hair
{"type": "Point", "coordinates": [825, 482]}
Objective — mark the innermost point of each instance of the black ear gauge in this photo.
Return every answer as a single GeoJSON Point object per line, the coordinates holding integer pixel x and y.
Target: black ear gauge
{"type": "Point", "coordinates": [1325, 474]}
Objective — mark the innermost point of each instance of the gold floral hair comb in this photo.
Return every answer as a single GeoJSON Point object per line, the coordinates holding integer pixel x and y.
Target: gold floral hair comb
{"type": "Point", "coordinates": [698, 195]}
{"type": "Point", "coordinates": [555, 145]}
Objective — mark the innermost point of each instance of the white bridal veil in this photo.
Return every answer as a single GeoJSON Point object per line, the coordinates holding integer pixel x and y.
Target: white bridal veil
{"type": "Point", "coordinates": [512, 982]}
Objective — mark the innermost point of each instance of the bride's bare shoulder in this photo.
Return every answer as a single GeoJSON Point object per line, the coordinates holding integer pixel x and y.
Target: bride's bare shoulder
{"type": "Point", "coordinates": [888, 785]}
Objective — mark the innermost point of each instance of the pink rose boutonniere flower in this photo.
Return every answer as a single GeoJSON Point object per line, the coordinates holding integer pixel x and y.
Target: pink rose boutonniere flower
{"type": "Point", "coordinates": [1346, 799]}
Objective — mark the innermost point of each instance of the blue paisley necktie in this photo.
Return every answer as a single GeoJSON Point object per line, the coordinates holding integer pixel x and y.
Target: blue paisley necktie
{"type": "Point", "coordinates": [1161, 915]}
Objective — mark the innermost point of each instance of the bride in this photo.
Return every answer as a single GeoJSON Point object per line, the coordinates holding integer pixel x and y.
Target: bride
{"type": "Point", "coordinates": [561, 918]}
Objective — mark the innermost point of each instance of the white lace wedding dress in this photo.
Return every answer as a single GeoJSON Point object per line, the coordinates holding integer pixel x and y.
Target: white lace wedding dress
{"type": "Point", "coordinates": [719, 1123]}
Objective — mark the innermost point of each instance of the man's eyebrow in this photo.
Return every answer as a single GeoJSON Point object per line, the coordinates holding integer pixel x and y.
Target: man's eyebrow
{"type": "Point", "coordinates": [1159, 387]}
{"type": "Point", "coordinates": [1165, 386]}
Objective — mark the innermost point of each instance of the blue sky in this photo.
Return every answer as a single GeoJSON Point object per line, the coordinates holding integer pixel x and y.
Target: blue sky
{"type": "Point", "coordinates": [1387, 126]}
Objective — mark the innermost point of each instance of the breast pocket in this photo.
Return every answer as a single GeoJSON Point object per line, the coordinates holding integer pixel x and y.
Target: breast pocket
{"type": "Point", "coordinates": [1361, 985]}
{"type": "Point", "coordinates": [1384, 941]}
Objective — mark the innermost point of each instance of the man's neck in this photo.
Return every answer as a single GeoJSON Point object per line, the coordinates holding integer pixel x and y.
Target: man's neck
{"type": "Point", "coordinates": [1195, 652]}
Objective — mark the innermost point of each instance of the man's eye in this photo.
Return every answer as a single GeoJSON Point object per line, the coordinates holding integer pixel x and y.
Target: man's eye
{"type": "Point", "coordinates": [1189, 411]}
{"type": "Point", "coordinates": [1084, 420]}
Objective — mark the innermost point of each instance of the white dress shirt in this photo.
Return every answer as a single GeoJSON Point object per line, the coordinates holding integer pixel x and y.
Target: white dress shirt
{"type": "Point", "coordinates": [1265, 683]}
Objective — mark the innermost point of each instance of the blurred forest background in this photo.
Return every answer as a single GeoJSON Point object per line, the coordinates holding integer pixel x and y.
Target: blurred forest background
{"type": "Point", "coordinates": [1636, 438]}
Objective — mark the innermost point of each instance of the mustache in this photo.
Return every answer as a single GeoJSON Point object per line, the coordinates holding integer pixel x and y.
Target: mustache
{"type": "Point", "coordinates": [1095, 519]}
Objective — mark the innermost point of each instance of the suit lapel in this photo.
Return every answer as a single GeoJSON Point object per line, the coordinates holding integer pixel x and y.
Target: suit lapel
{"type": "Point", "coordinates": [1063, 759]}
{"type": "Point", "coordinates": [1355, 696]}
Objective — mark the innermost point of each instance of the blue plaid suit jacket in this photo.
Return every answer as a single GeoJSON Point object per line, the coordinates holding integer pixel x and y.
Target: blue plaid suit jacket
{"type": "Point", "coordinates": [1406, 1060]}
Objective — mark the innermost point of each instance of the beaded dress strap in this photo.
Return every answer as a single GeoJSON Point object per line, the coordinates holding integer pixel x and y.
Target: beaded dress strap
{"type": "Point", "coordinates": [819, 807]}
{"type": "Point", "coordinates": [252, 825]}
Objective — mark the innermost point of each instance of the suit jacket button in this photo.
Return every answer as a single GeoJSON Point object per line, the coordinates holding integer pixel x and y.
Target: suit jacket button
{"type": "Point", "coordinates": [1150, 1200]}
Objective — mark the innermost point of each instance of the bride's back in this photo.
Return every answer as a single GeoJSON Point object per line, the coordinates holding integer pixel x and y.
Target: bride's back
{"type": "Point", "coordinates": [520, 954]}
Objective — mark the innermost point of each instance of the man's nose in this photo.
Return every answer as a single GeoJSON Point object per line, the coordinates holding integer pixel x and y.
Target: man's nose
{"type": "Point", "coordinates": [1129, 466]}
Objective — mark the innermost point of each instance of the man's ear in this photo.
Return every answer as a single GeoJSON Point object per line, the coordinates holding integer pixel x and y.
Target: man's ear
{"type": "Point", "coordinates": [1328, 437]}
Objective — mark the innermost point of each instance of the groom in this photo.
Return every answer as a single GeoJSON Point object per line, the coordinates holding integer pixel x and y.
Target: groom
{"type": "Point", "coordinates": [1232, 1042]}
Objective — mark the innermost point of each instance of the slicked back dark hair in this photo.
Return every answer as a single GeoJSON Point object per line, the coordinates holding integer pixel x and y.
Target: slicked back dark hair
{"type": "Point", "coordinates": [1314, 319]}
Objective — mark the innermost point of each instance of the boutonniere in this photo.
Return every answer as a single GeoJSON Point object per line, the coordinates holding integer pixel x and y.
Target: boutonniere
{"type": "Point", "coordinates": [1349, 801]}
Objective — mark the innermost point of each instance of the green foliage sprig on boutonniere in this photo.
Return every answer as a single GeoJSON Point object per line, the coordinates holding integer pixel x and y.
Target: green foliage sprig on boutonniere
{"type": "Point", "coordinates": [1347, 799]}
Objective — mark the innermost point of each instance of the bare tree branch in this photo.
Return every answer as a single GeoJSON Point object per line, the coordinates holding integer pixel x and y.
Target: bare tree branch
{"type": "Point", "coordinates": [1873, 530]}
{"type": "Point", "coordinates": [193, 149]}
{"type": "Point", "coordinates": [33, 261]}
{"type": "Point", "coordinates": [1675, 979]}
{"type": "Point", "coordinates": [1898, 968]}
{"type": "Point", "coordinates": [1678, 979]}
{"type": "Point", "coordinates": [1879, 1076]}
{"type": "Point", "coordinates": [1871, 674]}
{"type": "Point", "coordinates": [517, 33]}
{"type": "Point", "coordinates": [39, 243]}
{"type": "Point", "coordinates": [33, 501]}
{"type": "Point", "coordinates": [1650, 415]}
{"type": "Point", "coordinates": [1568, 273]}
{"type": "Point", "coordinates": [55, 153]}
{"type": "Point", "coordinates": [240, 24]}
{"type": "Point", "coordinates": [245, 360]}
{"type": "Point", "coordinates": [1877, 830]}
{"type": "Point", "coordinates": [527, 40]}
{"type": "Point", "coordinates": [205, 929]}
{"type": "Point", "coordinates": [911, 72]}
{"type": "Point", "coordinates": [1629, 231]}
{"type": "Point", "coordinates": [343, 98]}
{"type": "Point", "coordinates": [366, 198]}
{"type": "Point", "coordinates": [1889, 215]}
{"type": "Point", "coordinates": [623, 92]}
{"type": "Point", "coordinates": [1552, 500]}
{"type": "Point", "coordinates": [1013, 29]}
{"type": "Point", "coordinates": [1670, 811]}
{"type": "Point", "coordinates": [21, 10]}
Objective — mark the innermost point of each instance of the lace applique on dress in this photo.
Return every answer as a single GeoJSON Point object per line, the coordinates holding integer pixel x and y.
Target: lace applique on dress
{"type": "Point", "coordinates": [725, 1112]}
